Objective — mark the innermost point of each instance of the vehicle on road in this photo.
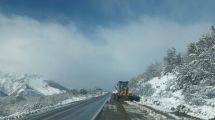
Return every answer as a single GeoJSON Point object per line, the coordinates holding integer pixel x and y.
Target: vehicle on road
{"type": "Point", "coordinates": [123, 93]}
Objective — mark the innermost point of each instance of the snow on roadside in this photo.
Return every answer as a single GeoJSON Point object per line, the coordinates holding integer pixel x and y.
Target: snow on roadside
{"type": "Point", "coordinates": [24, 114]}
{"type": "Point", "coordinates": [203, 112]}
{"type": "Point", "coordinates": [74, 99]}
{"type": "Point", "coordinates": [160, 84]}
{"type": "Point", "coordinates": [158, 114]}
{"type": "Point", "coordinates": [164, 99]}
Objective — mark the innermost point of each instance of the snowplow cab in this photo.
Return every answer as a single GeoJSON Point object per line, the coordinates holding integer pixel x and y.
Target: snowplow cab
{"type": "Point", "coordinates": [122, 88]}
{"type": "Point", "coordinates": [123, 92]}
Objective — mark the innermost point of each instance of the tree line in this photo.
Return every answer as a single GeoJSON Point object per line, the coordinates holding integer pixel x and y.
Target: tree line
{"type": "Point", "coordinates": [194, 68]}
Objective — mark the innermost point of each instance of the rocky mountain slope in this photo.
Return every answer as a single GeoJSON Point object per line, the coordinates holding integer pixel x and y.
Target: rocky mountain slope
{"type": "Point", "coordinates": [28, 84]}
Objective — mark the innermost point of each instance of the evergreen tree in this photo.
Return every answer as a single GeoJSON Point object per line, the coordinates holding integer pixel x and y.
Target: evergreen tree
{"type": "Point", "coordinates": [171, 61]}
{"type": "Point", "coordinates": [199, 66]}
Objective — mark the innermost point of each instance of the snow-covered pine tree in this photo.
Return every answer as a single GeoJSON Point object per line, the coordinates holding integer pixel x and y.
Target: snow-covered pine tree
{"type": "Point", "coordinates": [154, 70]}
{"type": "Point", "coordinates": [171, 61]}
{"type": "Point", "coordinates": [199, 65]}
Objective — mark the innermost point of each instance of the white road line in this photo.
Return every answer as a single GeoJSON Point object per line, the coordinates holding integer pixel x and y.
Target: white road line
{"type": "Point", "coordinates": [100, 109]}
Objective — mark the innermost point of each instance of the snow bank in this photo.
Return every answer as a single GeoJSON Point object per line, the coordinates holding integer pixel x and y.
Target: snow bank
{"type": "Point", "coordinates": [74, 99]}
{"type": "Point", "coordinates": [166, 98]}
{"type": "Point", "coordinates": [160, 84]}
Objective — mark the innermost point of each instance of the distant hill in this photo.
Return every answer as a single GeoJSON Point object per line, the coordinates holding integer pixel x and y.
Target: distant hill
{"type": "Point", "coordinates": [28, 84]}
{"type": "Point", "coordinates": [55, 85]}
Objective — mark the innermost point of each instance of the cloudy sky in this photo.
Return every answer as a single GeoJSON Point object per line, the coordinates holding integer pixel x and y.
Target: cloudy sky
{"type": "Point", "coordinates": [95, 43]}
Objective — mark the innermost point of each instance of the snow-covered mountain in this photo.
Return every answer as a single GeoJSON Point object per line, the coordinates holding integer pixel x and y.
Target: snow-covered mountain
{"type": "Point", "coordinates": [182, 84]}
{"type": "Point", "coordinates": [28, 84]}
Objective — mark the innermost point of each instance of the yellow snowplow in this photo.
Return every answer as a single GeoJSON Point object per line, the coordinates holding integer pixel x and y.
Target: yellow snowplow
{"type": "Point", "coordinates": [123, 92]}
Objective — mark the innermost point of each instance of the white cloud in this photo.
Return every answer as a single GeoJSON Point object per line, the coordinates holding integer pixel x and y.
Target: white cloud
{"type": "Point", "coordinates": [63, 53]}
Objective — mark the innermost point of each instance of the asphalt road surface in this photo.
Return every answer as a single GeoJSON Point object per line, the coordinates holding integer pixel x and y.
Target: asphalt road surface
{"type": "Point", "coordinates": [84, 110]}
{"type": "Point", "coordinates": [120, 110]}
{"type": "Point", "coordinates": [106, 108]}
{"type": "Point", "coordinates": [113, 110]}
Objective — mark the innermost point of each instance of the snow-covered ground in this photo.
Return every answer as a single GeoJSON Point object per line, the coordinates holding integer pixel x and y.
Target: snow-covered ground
{"type": "Point", "coordinates": [22, 95]}
{"type": "Point", "coordinates": [164, 98]}
{"type": "Point", "coordinates": [147, 113]}
{"type": "Point", "coordinates": [29, 110]}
